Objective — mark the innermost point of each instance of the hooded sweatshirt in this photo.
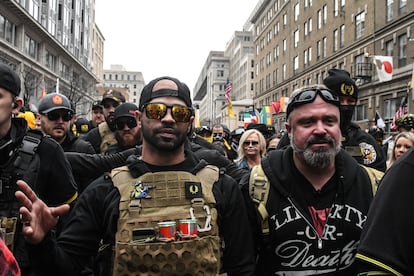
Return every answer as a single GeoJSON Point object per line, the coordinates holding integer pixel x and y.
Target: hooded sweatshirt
{"type": "Point", "coordinates": [297, 244]}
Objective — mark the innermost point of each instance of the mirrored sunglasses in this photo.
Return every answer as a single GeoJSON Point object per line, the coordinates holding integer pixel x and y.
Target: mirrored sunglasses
{"type": "Point", "coordinates": [181, 114]}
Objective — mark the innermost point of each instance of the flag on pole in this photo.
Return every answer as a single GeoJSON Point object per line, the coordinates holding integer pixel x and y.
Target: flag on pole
{"type": "Point", "coordinates": [284, 101]}
{"type": "Point", "coordinates": [250, 116]}
{"type": "Point", "coordinates": [228, 98]}
{"type": "Point", "coordinates": [266, 115]}
{"type": "Point", "coordinates": [384, 67]}
{"type": "Point", "coordinates": [402, 110]}
{"type": "Point", "coordinates": [275, 107]}
{"type": "Point", "coordinates": [379, 121]}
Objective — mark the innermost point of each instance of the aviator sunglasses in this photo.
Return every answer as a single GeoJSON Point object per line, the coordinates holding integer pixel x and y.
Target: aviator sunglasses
{"type": "Point", "coordinates": [130, 122]}
{"type": "Point", "coordinates": [55, 115]}
{"type": "Point", "coordinates": [181, 114]}
{"type": "Point", "coordinates": [309, 95]}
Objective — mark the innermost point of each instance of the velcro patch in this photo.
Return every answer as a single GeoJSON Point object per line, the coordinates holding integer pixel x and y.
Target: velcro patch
{"type": "Point", "coordinates": [193, 190]}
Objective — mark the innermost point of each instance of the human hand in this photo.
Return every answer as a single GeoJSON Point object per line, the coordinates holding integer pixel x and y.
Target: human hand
{"type": "Point", "coordinates": [38, 219]}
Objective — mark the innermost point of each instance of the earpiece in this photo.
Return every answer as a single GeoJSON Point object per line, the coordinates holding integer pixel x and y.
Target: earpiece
{"type": "Point", "coordinates": [14, 105]}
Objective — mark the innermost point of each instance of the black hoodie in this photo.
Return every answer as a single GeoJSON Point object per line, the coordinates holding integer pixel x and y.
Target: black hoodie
{"type": "Point", "coordinates": [293, 246]}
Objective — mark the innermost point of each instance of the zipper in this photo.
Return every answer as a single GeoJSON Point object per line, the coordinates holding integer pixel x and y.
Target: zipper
{"type": "Point", "coordinates": [309, 223]}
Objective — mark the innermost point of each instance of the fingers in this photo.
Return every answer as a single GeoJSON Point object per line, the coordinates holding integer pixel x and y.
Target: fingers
{"type": "Point", "coordinates": [60, 210]}
{"type": "Point", "coordinates": [25, 188]}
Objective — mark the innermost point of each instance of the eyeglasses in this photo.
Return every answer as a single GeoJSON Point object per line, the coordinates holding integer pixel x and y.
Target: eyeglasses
{"type": "Point", "coordinates": [130, 122]}
{"type": "Point", "coordinates": [309, 95]}
{"type": "Point", "coordinates": [55, 115]}
{"type": "Point", "coordinates": [252, 143]}
{"type": "Point", "coordinates": [181, 114]}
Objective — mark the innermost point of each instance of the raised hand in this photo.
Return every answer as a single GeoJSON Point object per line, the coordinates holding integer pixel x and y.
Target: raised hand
{"type": "Point", "coordinates": [38, 219]}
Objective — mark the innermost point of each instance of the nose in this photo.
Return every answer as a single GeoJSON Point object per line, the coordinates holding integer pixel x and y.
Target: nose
{"type": "Point", "coordinates": [319, 127]}
{"type": "Point", "coordinates": [168, 116]}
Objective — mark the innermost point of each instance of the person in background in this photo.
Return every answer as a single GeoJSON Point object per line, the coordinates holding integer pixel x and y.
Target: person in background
{"type": "Point", "coordinates": [97, 114]}
{"type": "Point", "coordinates": [82, 126]}
{"type": "Point", "coordinates": [166, 119]}
{"type": "Point", "coordinates": [402, 143]}
{"type": "Point", "coordinates": [252, 148]}
{"type": "Point", "coordinates": [318, 195]}
{"type": "Point", "coordinates": [29, 155]}
{"type": "Point", "coordinates": [204, 131]}
{"type": "Point", "coordinates": [387, 240]}
{"type": "Point", "coordinates": [56, 114]}
{"type": "Point", "coordinates": [405, 123]}
{"type": "Point", "coordinates": [272, 142]}
{"type": "Point", "coordinates": [127, 131]}
{"type": "Point", "coordinates": [220, 136]}
{"type": "Point", "coordinates": [362, 146]}
{"type": "Point", "coordinates": [103, 136]}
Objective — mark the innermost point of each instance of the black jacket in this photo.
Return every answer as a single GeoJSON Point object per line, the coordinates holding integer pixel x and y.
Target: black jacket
{"type": "Point", "coordinates": [387, 241]}
{"type": "Point", "coordinates": [293, 246]}
{"type": "Point", "coordinates": [53, 182]}
{"type": "Point", "coordinates": [95, 218]}
{"type": "Point", "coordinates": [75, 144]}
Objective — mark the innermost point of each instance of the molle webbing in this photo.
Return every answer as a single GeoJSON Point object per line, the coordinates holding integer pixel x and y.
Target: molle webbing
{"type": "Point", "coordinates": [166, 201]}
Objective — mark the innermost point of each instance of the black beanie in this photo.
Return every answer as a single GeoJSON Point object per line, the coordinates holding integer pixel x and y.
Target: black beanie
{"type": "Point", "coordinates": [340, 82]}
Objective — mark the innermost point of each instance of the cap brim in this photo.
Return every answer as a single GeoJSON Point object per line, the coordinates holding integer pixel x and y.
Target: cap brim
{"type": "Point", "coordinates": [55, 108]}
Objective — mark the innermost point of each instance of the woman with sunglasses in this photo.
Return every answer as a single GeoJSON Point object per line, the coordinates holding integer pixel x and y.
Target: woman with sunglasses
{"type": "Point", "coordinates": [252, 147]}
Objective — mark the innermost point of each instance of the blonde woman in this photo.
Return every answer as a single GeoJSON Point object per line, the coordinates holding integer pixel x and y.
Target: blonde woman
{"type": "Point", "coordinates": [402, 143]}
{"type": "Point", "coordinates": [252, 147]}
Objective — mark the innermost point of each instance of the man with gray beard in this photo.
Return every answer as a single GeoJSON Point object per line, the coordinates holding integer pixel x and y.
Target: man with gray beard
{"type": "Point", "coordinates": [313, 198]}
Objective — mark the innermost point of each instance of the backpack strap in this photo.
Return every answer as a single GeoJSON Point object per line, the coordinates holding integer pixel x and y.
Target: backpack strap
{"type": "Point", "coordinates": [375, 176]}
{"type": "Point", "coordinates": [259, 191]}
{"type": "Point", "coordinates": [26, 155]}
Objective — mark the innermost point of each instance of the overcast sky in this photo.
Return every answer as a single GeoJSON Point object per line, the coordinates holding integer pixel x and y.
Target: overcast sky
{"type": "Point", "coordinates": [168, 37]}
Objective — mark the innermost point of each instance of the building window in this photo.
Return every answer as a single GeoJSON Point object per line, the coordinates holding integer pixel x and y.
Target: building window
{"type": "Point", "coordinates": [389, 48]}
{"type": "Point", "coordinates": [390, 10]}
{"type": "Point", "coordinates": [31, 47]}
{"type": "Point", "coordinates": [360, 25]}
{"type": "Point", "coordinates": [305, 29]}
{"type": "Point", "coordinates": [403, 7]}
{"type": "Point", "coordinates": [284, 68]}
{"type": "Point", "coordinates": [336, 8]}
{"type": "Point", "coordinates": [284, 46]}
{"type": "Point", "coordinates": [295, 64]}
{"type": "Point", "coordinates": [318, 49]}
{"type": "Point", "coordinates": [325, 47]}
{"type": "Point", "coordinates": [342, 39]}
{"type": "Point", "coordinates": [220, 73]}
{"type": "Point", "coordinates": [335, 40]}
{"type": "Point", "coordinates": [361, 112]}
{"type": "Point", "coordinates": [310, 55]}
{"type": "Point", "coordinates": [310, 25]}
{"type": "Point", "coordinates": [402, 50]}
{"type": "Point", "coordinates": [50, 61]}
{"type": "Point", "coordinates": [305, 57]}
{"type": "Point", "coordinates": [319, 19]}
{"type": "Point", "coordinates": [284, 20]}
{"type": "Point", "coordinates": [296, 10]}
{"type": "Point", "coordinates": [325, 14]}
{"type": "Point", "coordinates": [296, 38]}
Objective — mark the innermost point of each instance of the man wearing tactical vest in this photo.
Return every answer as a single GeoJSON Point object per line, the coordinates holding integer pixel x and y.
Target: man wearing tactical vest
{"type": "Point", "coordinates": [103, 135]}
{"type": "Point", "coordinates": [26, 154]}
{"type": "Point", "coordinates": [165, 213]}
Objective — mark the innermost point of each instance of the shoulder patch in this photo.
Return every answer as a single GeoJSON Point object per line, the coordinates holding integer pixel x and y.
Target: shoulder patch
{"type": "Point", "coordinates": [369, 155]}
{"type": "Point", "coordinates": [193, 190]}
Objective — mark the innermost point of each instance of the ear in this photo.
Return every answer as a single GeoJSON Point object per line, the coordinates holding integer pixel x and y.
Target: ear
{"type": "Point", "coordinates": [190, 125]}
{"type": "Point", "coordinates": [288, 128]}
{"type": "Point", "coordinates": [138, 116]}
{"type": "Point", "coordinates": [17, 105]}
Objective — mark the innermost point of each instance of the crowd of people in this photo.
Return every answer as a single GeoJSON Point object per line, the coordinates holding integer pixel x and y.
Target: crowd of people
{"type": "Point", "coordinates": [138, 190]}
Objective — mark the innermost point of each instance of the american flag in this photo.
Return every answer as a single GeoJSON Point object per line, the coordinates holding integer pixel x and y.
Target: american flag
{"type": "Point", "coordinates": [402, 110]}
{"type": "Point", "coordinates": [228, 91]}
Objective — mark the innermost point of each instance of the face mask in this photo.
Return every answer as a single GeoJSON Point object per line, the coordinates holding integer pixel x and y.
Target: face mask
{"type": "Point", "coordinates": [347, 111]}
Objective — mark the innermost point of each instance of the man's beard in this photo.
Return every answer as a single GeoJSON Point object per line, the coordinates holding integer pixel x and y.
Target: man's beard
{"type": "Point", "coordinates": [169, 145]}
{"type": "Point", "coordinates": [320, 158]}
